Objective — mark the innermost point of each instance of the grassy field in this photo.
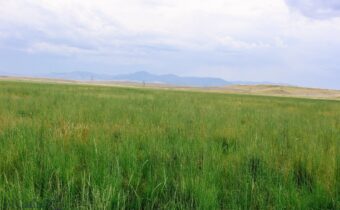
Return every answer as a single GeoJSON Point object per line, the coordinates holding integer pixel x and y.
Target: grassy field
{"type": "Point", "coordinates": [88, 147]}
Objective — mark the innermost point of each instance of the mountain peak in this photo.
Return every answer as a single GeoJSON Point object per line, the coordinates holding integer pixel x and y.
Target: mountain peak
{"type": "Point", "coordinates": [141, 73]}
{"type": "Point", "coordinates": [147, 77]}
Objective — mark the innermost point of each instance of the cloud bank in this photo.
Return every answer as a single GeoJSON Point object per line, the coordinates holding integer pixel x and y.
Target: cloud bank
{"type": "Point", "coordinates": [256, 40]}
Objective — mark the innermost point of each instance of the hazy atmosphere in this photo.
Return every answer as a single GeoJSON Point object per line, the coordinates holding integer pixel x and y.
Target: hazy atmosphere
{"type": "Point", "coordinates": [282, 41]}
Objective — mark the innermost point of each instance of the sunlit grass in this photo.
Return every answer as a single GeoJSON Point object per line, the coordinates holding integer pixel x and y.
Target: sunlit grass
{"type": "Point", "coordinates": [69, 146]}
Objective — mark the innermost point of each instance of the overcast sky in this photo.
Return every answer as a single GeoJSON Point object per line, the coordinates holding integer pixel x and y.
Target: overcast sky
{"type": "Point", "coordinates": [286, 41]}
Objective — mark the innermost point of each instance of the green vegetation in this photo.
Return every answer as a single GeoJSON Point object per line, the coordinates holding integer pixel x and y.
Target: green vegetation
{"type": "Point", "coordinates": [91, 147]}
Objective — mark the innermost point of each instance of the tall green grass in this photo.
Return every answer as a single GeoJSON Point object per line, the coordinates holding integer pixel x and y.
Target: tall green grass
{"type": "Point", "coordinates": [88, 147]}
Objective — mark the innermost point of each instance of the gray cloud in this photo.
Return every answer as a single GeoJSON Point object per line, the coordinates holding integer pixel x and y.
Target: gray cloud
{"type": "Point", "coordinates": [318, 9]}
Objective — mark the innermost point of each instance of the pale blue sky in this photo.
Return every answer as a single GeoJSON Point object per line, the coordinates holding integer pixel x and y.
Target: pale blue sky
{"type": "Point", "coordinates": [286, 41]}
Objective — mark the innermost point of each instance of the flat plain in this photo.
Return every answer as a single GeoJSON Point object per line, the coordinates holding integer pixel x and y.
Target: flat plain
{"type": "Point", "coordinates": [80, 146]}
{"type": "Point", "coordinates": [257, 89]}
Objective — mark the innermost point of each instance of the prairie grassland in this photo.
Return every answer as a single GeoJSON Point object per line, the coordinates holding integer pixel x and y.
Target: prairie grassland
{"type": "Point", "coordinates": [87, 147]}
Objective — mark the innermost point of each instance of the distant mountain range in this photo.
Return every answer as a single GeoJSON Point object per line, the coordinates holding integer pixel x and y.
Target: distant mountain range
{"type": "Point", "coordinates": [146, 77]}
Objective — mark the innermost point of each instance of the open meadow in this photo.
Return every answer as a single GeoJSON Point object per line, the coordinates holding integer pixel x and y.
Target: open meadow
{"type": "Point", "coordinates": [66, 146]}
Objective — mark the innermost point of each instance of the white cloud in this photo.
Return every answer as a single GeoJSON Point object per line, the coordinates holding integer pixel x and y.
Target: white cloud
{"type": "Point", "coordinates": [241, 45]}
{"type": "Point", "coordinates": [178, 34]}
{"type": "Point", "coordinates": [186, 23]}
{"type": "Point", "coordinates": [61, 49]}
